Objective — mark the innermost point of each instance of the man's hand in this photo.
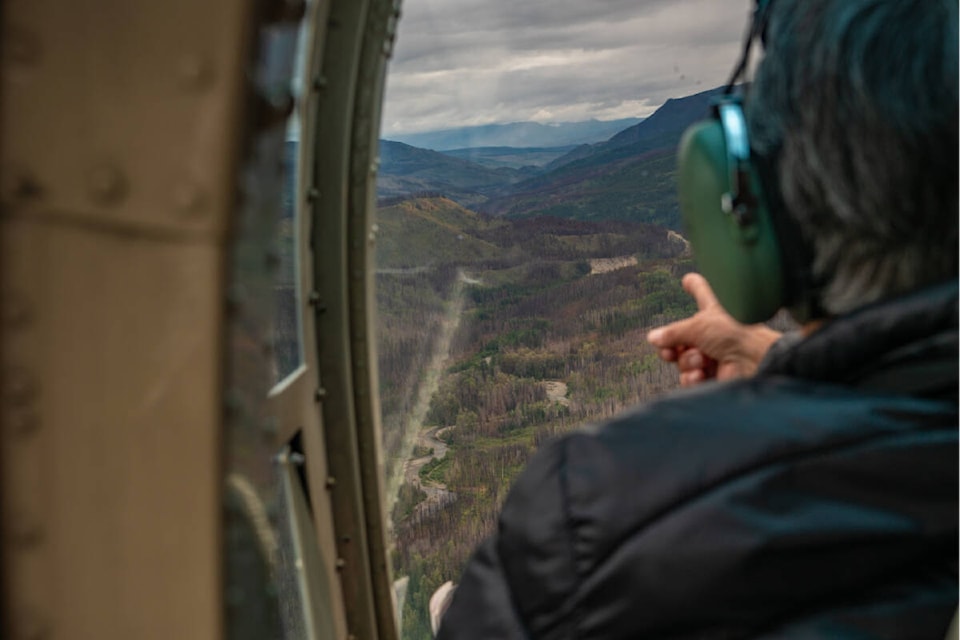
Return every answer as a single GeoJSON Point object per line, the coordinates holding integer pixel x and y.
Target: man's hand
{"type": "Point", "coordinates": [710, 343]}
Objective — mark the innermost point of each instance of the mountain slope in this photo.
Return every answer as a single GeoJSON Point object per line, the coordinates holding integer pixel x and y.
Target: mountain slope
{"type": "Point", "coordinates": [663, 128]}
{"type": "Point", "coordinates": [430, 231]}
{"type": "Point", "coordinates": [406, 170]}
{"type": "Point", "coordinates": [632, 176]}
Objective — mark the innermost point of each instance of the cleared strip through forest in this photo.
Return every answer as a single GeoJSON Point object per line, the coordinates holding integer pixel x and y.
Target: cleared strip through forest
{"type": "Point", "coordinates": [429, 383]}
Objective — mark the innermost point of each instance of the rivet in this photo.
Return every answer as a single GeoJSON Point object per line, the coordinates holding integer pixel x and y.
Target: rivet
{"type": "Point", "coordinates": [319, 82]}
{"type": "Point", "coordinates": [314, 298]}
{"type": "Point", "coordinates": [19, 388]}
{"type": "Point", "coordinates": [270, 426]}
{"type": "Point", "coordinates": [331, 482]}
{"type": "Point", "coordinates": [188, 198]}
{"type": "Point", "coordinates": [233, 401]}
{"type": "Point", "coordinates": [25, 530]}
{"type": "Point", "coordinates": [20, 184]}
{"type": "Point", "coordinates": [16, 311]}
{"type": "Point", "coordinates": [297, 458]}
{"type": "Point", "coordinates": [320, 394]}
{"type": "Point", "coordinates": [235, 299]}
{"type": "Point", "coordinates": [273, 513]}
{"type": "Point", "coordinates": [195, 72]}
{"type": "Point", "coordinates": [313, 194]}
{"type": "Point", "coordinates": [106, 184]}
{"type": "Point", "coordinates": [341, 563]}
{"type": "Point", "coordinates": [22, 422]}
{"type": "Point", "coordinates": [271, 259]}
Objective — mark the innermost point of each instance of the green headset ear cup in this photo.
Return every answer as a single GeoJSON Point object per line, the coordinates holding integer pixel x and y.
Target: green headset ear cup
{"type": "Point", "coordinates": [740, 261]}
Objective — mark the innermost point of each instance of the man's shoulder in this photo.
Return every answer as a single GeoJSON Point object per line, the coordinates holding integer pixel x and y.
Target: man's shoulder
{"type": "Point", "coordinates": [748, 421]}
{"type": "Point", "coordinates": [618, 477]}
{"type": "Point", "coordinates": [677, 492]}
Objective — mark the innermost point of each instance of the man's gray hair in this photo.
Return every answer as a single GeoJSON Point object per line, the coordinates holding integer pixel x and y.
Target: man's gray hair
{"type": "Point", "coordinates": [856, 103]}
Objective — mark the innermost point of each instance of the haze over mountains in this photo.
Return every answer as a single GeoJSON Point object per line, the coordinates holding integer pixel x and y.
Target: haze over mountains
{"type": "Point", "coordinates": [517, 134]}
{"type": "Point", "coordinates": [628, 176]}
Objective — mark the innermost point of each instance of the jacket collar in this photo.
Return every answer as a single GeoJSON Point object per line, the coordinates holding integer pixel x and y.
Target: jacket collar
{"type": "Point", "coordinates": [906, 344]}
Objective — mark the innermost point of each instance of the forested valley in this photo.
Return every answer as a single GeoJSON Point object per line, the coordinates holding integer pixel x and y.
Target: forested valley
{"type": "Point", "coordinates": [494, 336]}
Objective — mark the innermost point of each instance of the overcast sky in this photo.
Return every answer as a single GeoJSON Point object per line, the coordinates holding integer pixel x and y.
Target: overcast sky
{"type": "Point", "coordinates": [467, 62]}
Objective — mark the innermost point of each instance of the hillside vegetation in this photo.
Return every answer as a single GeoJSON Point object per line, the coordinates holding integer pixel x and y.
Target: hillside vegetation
{"type": "Point", "coordinates": [406, 170]}
{"type": "Point", "coordinates": [545, 342]}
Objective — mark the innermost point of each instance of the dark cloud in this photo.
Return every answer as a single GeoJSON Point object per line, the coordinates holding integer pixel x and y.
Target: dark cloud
{"type": "Point", "coordinates": [463, 62]}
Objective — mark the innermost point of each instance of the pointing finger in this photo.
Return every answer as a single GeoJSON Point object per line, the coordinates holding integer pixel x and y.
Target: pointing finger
{"type": "Point", "coordinates": [681, 332]}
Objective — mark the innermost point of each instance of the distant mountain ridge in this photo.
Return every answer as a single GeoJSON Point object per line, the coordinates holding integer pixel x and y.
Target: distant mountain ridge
{"type": "Point", "coordinates": [408, 170]}
{"type": "Point", "coordinates": [629, 176]}
{"type": "Point", "coordinates": [517, 134]}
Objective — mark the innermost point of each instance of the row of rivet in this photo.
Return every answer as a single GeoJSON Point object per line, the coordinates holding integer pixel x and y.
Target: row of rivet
{"type": "Point", "coordinates": [24, 528]}
{"type": "Point", "coordinates": [24, 49]}
{"type": "Point", "coordinates": [106, 184]}
{"type": "Point", "coordinates": [320, 83]}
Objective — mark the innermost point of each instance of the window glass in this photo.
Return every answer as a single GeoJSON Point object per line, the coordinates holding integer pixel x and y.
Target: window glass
{"type": "Point", "coordinates": [529, 237]}
{"type": "Point", "coordinates": [287, 329]}
{"type": "Point", "coordinates": [262, 567]}
{"type": "Point", "coordinates": [286, 326]}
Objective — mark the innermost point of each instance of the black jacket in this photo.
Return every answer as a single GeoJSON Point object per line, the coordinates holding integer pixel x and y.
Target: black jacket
{"type": "Point", "coordinates": [817, 499]}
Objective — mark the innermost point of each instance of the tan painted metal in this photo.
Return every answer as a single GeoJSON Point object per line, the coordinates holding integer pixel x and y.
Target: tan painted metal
{"type": "Point", "coordinates": [110, 485]}
{"type": "Point", "coordinates": [124, 112]}
{"type": "Point", "coordinates": [121, 123]}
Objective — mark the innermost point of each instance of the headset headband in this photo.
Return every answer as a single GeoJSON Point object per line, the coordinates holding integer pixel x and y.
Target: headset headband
{"type": "Point", "coordinates": [800, 287]}
{"type": "Point", "coordinates": [757, 29]}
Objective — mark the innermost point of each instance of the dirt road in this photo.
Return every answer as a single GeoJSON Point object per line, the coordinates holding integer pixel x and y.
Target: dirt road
{"type": "Point", "coordinates": [414, 432]}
